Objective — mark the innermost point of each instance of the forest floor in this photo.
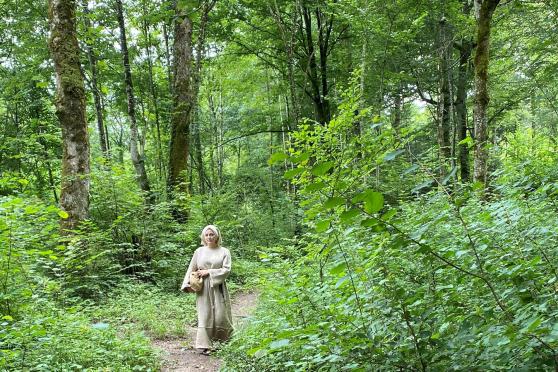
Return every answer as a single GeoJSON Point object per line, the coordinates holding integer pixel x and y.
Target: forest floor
{"type": "Point", "coordinates": [179, 354]}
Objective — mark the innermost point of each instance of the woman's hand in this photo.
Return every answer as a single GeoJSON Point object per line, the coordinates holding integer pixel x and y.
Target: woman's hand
{"type": "Point", "coordinates": [203, 273]}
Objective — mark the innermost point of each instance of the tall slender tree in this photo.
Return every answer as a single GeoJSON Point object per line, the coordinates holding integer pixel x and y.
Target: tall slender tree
{"type": "Point", "coordinates": [70, 110]}
{"type": "Point", "coordinates": [137, 158]}
{"type": "Point", "coordinates": [92, 58]}
{"type": "Point", "coordinates": [445, 98]}
{"type": "Point", "coordinates": [465, 48]}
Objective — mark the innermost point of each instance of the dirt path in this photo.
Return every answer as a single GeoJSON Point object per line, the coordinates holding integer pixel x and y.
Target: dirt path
{"type": "Point", "coordinates": [179, 355]}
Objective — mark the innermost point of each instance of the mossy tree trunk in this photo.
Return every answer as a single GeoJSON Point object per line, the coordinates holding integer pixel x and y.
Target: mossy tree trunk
{"type": "Point", "coordinates": [186, 80]}
{"type": "Point", "coordinates": [182, 101]}
{"type": "Point", "coordinates": [484, 11]}
{"type": "Point", "coordinates": [70, 110]}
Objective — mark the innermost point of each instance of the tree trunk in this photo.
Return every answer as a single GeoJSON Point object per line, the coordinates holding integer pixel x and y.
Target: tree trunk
{"type": "Point", "coordinates": [465, 50]}
{"type": "Point", "coordinates": [95, 85]}
{"type": "Point", "coordinates": [185, 89]}
{"type": "Point", "coordinates": [485, 11]}
{"type": "Point", "coordinates": [182, 101]}
{"type": "Point", "coordinates": [167, 56]}
{"type": "Point", "coordinates": [199, 158]}
{"type": "Point", "coordinates": [321, 105]}
{"type": "Point", "coordinates": [153, 91]}
{"type": "Point", "coordinates": [71, 112]}
{"type": "Point", "coordinates": [397, 111]}
{"type": "Point", "coordinates": [444, 101]}
{"type": "Point", "coordinates": [137, 158]}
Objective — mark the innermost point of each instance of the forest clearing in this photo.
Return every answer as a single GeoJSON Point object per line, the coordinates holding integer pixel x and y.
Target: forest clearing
{"type": "Point", "coordinates": [342, 185]}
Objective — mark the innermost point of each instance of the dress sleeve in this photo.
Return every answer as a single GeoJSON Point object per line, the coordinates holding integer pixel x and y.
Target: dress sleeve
{"type": "Point", "coordinates": [192, 267]}
{"type": "Point", "coordinates": [218, 276]}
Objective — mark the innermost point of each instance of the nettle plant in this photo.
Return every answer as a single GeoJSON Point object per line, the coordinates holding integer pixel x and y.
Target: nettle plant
{"type": "Point", "coordinates": [441, 281]}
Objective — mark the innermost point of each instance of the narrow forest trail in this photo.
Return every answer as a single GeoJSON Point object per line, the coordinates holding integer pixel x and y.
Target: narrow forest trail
{"type": "Point", "coordinates": [179, 355]}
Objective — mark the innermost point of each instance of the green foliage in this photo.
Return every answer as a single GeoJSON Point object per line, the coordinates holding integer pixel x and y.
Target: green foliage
{"type": "Point", "coordinates": [28, 248]}
{"type": "Point", "coordinates": [438, 282]}
{"type": "Point", "coordinates": [50, 338]}
{"type": "Point", "coordinates": [136, 307]}
{"type": "Point", "coordinates": [395, 265]}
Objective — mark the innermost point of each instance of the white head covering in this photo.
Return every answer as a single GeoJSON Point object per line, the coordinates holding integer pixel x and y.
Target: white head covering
{"type": "Point", "coordinates": [213, 228]}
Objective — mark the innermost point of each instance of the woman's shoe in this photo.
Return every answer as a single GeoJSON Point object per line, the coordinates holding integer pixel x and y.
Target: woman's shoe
{"type": "Point", "coordinates": [202, 351]}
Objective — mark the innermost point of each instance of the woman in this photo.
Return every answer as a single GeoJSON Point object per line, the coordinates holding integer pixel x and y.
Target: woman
{"type": "Point", "coordinates": [213, 263]}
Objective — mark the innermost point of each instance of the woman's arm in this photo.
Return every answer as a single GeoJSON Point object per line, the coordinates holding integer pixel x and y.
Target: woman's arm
{"type": "Point", "coordinates": [218, 276]}
{"type": "Point", "coordinates": [191, 268]}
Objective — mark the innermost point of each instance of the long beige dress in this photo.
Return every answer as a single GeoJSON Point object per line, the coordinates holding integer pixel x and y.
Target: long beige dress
{"type": "Point", "coordinates": [213, 302]}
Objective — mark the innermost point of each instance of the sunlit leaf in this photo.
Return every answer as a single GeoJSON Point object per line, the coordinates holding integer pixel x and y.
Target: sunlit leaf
{"type": "Point", "coordinates": [277, 157]}
{"type": "Point", "coordinates": [333, 202]}
{"type": "Point", "coordinates": [292, 173]}
{"type": "Point", "coordinates": [323, 168]}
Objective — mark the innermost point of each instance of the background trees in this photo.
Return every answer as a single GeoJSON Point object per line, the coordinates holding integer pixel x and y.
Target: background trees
{"type": "Point", "coordinates": [339, 142]}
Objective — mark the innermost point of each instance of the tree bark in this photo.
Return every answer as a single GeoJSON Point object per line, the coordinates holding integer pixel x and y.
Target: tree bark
{"type": "Point", "coordinates": [185, 90]}
{"type": "Point", "coordinates": [92, 58]}
{"type": "Point", "coordinates": [137, 158]}
{"type": "Point", "coordinates": [153, 91]}
{"type": "Point", "coordinates": [465, 49]}
{"type": "Point", "coordinates": [321, 105]}
{"type": "Point", "coordinates": [199, 158]}
{"type": "Point", "coordinates": [485, 11]}
{"type": "Point", "coordinates": [182, 99]}
{"type": "Point", "coordinates": [71, 112]}
{"type": "Point", "coordinates": [444, 101]}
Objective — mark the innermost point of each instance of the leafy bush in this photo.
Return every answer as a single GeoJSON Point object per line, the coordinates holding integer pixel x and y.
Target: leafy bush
{"type": "Point", "coordinates": [28, 247]}
{"type": "Point", "coordinates": [144, 307]}
{"type": "Point", "coordinates": [445, 281]}
{"type": "Point", "coordinates": [49, 338]}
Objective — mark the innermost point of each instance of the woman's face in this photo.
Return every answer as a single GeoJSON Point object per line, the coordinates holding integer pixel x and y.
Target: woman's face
{"type": "Point", "coordinates": [210, 237]}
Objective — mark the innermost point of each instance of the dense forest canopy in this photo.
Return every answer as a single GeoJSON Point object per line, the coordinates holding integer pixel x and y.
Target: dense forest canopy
{"type": "Point", "coordinates": [385, 174]}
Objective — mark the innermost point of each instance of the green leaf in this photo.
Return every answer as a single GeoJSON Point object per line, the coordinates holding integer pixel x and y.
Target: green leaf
{"type": "Point", "coordinates": [41, 84]}
{"type": "Point", "coordinates": [369, 222]}
{"type": "Point", "coordinates": [360, 196]}
{"type": "Point", "coordinates": [422, 186]}
{"type": "Point", "coordinates": [467, 141]}
{"type": "Point", "coordinates": [333, 202]}
{"type": "Point", "coordinates": [341, 281]}
{"type": "Point", "coordinates": [260, 353]}
{"type": "Point", "coordinates": [374, 202]}
{"type": "Point", "coordinates": [338, 269]}
{"type": "Point", "coordinates": [253, 351]}
{"type": "Point", "coordinates": [279, 343]}
{"type": "Point", "coordinates": [392, 155]}
{"type": "Point", "coordinates": [277, 157]}
{"type": "Point", "coordinates": [100, 325]}
{"type": "Point", "coordinates": [63, 214]}
{"type": "Point", "coordinates": [389, 214]}
{"type": "Point", "coordinates": [292, 173]}
{"type": "Point", "coordinates": [449, 176]}
{"type": "Point", "coordinates": [534, 324]}
{"type": "Point", "coordinates": [300, 158]}
{"type": "Point", "coordinates": [316, 186]}
{"type": "Point", "coordinates": [322, 226]}
{"type": "Point", "coordinates": [348, 215]}
{"type": "Point", "coordinates": [410, 170]}
{"type": "Point", "coordinates": [321, 169]}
